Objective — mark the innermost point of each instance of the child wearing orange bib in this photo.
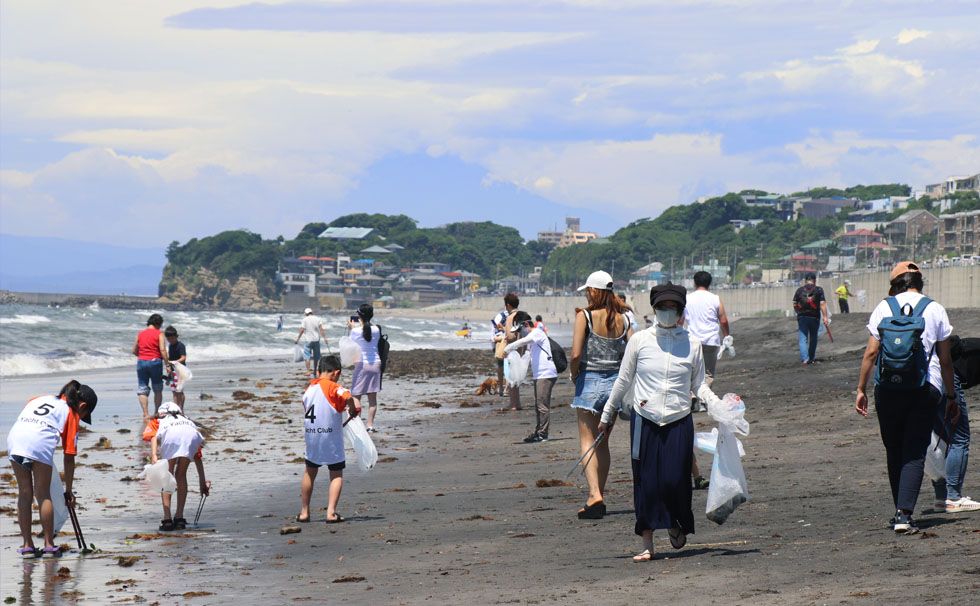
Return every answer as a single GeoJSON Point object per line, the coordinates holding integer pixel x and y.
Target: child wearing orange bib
{"type": "Point", "coordinates": [178, 440]}
{"type": "Point", "coordinates": [31, 444]}
{"type": "Point", "coordinates": [324, 403]}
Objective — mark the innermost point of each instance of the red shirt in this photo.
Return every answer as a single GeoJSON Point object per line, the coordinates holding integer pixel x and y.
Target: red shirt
{"type": "Point", "coordinates": [148, 343]}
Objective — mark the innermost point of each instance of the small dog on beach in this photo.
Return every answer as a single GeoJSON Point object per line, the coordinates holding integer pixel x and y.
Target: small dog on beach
{"type": "Point", "coordinates": [489, 386]}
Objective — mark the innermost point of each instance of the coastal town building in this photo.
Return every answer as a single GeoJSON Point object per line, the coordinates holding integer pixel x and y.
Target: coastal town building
{"type": "Point", "coordinates": [910, 225]}
{"type": "Point", "coordinates": [573, 234]}
{"type": "Point", "coordinates": [346, 233]}
{"type": "Point", "coordinates": [953, 185]}
{"type": "Point", "coordinates": [960, 232]}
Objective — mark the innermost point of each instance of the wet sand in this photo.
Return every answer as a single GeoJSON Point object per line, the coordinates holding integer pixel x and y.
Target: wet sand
{"type": "Point", "coordinates": [452, 512]}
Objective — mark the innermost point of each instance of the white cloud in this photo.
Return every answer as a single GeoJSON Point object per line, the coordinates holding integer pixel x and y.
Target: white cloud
{"type": "Point", "coordinates": [862, 47]}
{"type": "Point", "coordinates": [910, 35]}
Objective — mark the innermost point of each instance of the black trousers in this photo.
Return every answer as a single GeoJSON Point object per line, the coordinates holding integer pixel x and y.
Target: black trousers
{"type": "Point", "coordinates": [905, 419]}
{"type": "Point", "coordinates": [844, 307]}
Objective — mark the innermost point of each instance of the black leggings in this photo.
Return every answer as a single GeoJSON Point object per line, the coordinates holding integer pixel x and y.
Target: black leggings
{"type": "Point", "coordinates": [906, 419]}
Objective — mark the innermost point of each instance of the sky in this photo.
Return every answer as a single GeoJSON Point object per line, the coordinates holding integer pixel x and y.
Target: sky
{"type": "Point", "coordinates": [136, 123]}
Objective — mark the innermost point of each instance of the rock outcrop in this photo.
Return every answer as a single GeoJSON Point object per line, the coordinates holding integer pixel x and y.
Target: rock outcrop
{"type": "Point", "coordinates": [201, 288]}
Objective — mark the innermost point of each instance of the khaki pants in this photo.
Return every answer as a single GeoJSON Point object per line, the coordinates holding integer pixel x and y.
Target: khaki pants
{"type": "Point", "coordinates": [542, 404]}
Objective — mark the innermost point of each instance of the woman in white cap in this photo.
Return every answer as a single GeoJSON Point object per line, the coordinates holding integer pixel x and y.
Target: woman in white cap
{"type": "Point", "coordinates": [600, 334]}
{"type": "Point", "coordinates": [661, 367]}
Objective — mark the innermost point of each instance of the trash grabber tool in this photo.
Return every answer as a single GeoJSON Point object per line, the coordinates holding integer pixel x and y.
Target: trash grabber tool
{"type": "Point", "coordinates": [587, 453]}
{"type": "Point", "coordinates": [200, 506]}
{"type": "Point", "coordinates": [74, 522]}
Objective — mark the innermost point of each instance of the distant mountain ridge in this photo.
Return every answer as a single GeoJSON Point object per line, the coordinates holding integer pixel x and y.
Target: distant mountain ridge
{"type": "Point", "coordinates": [43, 264]}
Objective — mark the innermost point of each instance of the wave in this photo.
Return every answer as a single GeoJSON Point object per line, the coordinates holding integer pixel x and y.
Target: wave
{"type": "Point", "coordinates": [25, 319]}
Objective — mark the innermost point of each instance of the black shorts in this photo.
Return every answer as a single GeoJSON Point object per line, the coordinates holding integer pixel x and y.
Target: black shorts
{"type": "Point", "coordinates": [331, 466]}
{"type": "Point", "coordinates": [500, 363]}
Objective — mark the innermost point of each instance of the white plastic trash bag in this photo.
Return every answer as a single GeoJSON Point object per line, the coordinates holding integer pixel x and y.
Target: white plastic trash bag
{"type": "Point", "coordinates": [182, 375]}
{"type": "Point", "coordinates": [159, 478]}
{"type": "Point", "coordinates": [730, 410]}
{"type": "Point", "coordinates": [297, 353]}
{"type": "Point", "coordinates": [58, 500]}
{"type": "Point", "coordinates": [707, 441]}
{"type": "Point", "coordinates": [364, 449]}
{"type": "Point", "coordinates": [727, 488]}
{"type": "Point", "coordinates": [350, 352]}
{"type": "Point", "coordinates": [728, 344]}
{"type": "Point", "coordinates": [936, 459]}
{"type": "Point", "coordinates": [517, 367]}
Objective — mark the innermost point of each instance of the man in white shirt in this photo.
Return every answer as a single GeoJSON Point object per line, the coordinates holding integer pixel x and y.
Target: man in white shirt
{"type": "Point", "coordinates": [704, 318]}
{"type": "Point", "coordinates": [312, 327]}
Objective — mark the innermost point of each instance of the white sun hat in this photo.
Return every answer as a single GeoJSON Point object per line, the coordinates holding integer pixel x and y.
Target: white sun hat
{"type": "Point", "coordinates": [599, 280]}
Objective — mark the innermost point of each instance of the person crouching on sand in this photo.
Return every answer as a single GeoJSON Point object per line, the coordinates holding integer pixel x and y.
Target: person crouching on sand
{"type": "Point", "coordinates": [324, 403]}
{"type": "Point", "coordinates": [31, 443]}
{"type": "Point", "coordinates": [178, 440]}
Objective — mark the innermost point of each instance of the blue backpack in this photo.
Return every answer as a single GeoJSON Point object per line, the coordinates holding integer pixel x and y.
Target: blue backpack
{"type": "Point", "coordinates": [902, 360]}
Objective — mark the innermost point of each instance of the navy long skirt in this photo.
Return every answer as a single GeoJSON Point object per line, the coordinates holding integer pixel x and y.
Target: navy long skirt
{"type": "Point", "coordinates": [662, 475]}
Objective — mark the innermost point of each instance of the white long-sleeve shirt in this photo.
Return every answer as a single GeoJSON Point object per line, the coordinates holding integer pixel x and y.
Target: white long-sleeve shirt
{"type": "Point", "coordinates": [661, 367]}
{"type": "Point", "coordinates": [542, 366]}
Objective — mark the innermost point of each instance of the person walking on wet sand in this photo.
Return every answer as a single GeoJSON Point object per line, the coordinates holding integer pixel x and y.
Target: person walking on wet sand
{"type": "Point", "coordinates": [367, 371]}
{"type": "Point", "coordinates": [150, 350]}
{"type": "Point", "coordinates": [323, 405]}
{"type": "Point", "coordinates": [31, 444]}
{"type": "Point", "coordinates": [909, 341]}
{"type": "Point", "coordinates": [705, 320]}
{"type": "Point", "coordinates": [661, 367]}
{"type": "Point", "coordinates": [542, 369]}
{"type": "Point", "coordinates": [499, 321]}
{"type": "Point", "coordinates": [312, 327]}
{"type": "Point", "coordinates": [600, 334]}
{"type": "Point", "coordinates": [810, 303]}
{"type": "Point", "coordinates": [511, 302]}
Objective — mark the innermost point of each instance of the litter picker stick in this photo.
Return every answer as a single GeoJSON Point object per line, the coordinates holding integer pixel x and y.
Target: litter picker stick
{"type": "Point", "coordinates": [74, 522]}
{"type": "Point", "coordinates": [828, 333]}
{"type": "Point", "coordinates": [588, 452]}
{"type": "Point", "coordinates": [200, 506]}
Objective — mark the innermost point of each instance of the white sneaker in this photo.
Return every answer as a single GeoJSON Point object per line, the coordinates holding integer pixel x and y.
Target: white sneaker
{"type": "Point", "coordinates": [961, 504]}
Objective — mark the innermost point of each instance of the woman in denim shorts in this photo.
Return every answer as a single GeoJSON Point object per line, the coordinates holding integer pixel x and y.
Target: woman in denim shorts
{"type": "Point", "coordinates": [601, 332]}
{"type": "Point", "coordinates": [151, 350]}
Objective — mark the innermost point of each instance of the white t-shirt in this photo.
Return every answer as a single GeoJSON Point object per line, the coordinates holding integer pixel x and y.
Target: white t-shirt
{"type": "Point", "coordinates": [178, 437]}
{"type": "Point", "coordinates": [702, 316]}
{"type": "Point", "coordinates": [542, 367]}
{"type": "Point", "coordinates": [369, 349]}
{"type": "Point", "coordinates": [311, 328]}
{"type": "Point", "coordinates": [35, 433]}
{"type": "Point", "coordinates": [937, 328]}
{"type": "Point", "coordinates": [323, 403]}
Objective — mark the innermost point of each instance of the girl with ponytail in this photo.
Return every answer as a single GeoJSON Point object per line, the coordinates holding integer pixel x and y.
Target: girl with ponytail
{"type": "Point", "coordinates": [367, 371]}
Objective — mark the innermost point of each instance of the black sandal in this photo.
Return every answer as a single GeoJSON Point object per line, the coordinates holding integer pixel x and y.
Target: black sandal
{"type": "Point", "coordinates": [166, 525]}
{"type": "Point", "coordinates": [180, 523]}
{"type": "Point", "coordinates": [595, 511]}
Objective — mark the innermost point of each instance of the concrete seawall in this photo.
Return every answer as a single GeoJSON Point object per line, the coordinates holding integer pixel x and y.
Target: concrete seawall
{"type": "Point", "coordinates": [954, 287]}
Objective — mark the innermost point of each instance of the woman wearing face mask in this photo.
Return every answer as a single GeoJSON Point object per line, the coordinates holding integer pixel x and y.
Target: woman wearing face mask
{"type": "Point", "coordinates": [661, 367]}
{"type": "Point", "coordinates": [601, 331]}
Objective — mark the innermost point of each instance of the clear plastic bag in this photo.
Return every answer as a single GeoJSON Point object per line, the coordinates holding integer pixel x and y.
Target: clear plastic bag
{"type": "Point", "coordinates": [727, 488]}
{"type": "Point", "coordinates": [707, 441]}
{"type": "Point", "coordinates": [350, 352]}
{"type": "Point", "coordinates": [182, 375]}
{"type": "Point", "coordinates": [936, 459]}
{"type": "Point", "coordinates": [517, 368]}
{"type": "Point", "coordinates": [58, 500]}
{"type": "Point", "coordinates": [297, 353]}
{"type": "Point", "coordinates": [730, 410]}
{"type": "Point", "coordinates": [365, 452]}
{"type": "Point", "coordinates": [159, 478]}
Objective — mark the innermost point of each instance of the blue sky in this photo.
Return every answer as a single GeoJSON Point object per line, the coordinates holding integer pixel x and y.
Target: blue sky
{"type": "Point", "coordinates": [136, 123]}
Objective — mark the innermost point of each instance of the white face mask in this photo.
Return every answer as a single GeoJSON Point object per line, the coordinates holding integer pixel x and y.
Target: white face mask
{"type": "Point", "coordinates": [667, 317]}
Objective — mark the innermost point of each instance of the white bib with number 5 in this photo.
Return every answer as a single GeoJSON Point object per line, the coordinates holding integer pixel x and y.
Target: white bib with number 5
{"type": "Point", "coordinates": [37, 430]}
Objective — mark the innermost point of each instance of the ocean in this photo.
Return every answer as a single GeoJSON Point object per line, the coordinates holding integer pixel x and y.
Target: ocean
{"type": "Point", "coordinates": [39, 340]}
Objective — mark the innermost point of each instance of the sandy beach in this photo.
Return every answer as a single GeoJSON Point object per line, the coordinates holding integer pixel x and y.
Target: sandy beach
{"type": "Point", "coordinates": [453, 513]}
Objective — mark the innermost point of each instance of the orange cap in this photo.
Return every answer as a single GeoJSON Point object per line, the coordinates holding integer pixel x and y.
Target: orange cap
{"type": "Point", "coordinates": [903, 268]}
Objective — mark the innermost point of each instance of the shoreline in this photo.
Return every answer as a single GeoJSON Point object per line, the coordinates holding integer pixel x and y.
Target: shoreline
{"type": "Point", "coordinates": [452, 513]}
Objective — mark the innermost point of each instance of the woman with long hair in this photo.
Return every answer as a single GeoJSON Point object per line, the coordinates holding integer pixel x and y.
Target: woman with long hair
{"type": "Point", "coordinates": [31, 444]}
{"type": "Point", "coordinates": [907, 408]}
{"type": "Point", "coordinates": [600, 335]}
{"type": "Point", "coordinates": [367, 371]}
{"type": "Point", "coordinates": [150, 349]}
